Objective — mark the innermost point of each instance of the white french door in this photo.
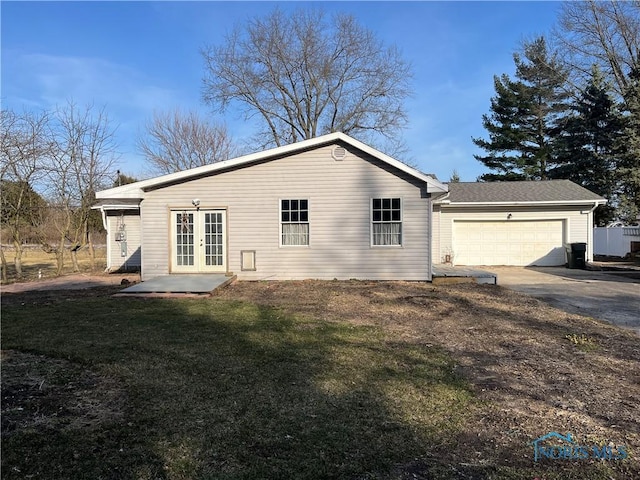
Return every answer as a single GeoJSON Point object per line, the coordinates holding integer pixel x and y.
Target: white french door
{"type": "Point", "coordinates": [198, 241]}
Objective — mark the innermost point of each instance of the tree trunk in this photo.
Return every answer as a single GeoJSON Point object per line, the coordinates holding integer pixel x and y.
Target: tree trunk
{"type": "Point", "coordinates": [17, 261]}
{"type": "Point", "coordinates": [74, 258]}
{"type": "Point", "coordinates": [5, 278]}
{"type": "Point", "coordinates": [60, 256]}
{"type": "Point", "coordinates": [59, 261]}
{"type": "Point", "coordinates": [92, 250]}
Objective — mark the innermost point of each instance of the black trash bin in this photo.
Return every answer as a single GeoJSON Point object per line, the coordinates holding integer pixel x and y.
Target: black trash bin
{"type": "Point", "coordinates": [577, 258]}
{"type": "Point", "coordinates": [570, 259]}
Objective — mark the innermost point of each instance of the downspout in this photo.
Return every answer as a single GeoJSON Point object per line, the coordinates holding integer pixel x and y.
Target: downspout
{"type": "Point", "coordinates": [104, 224]}
{"type": "Point", "coordinates": [430, 240]}
{"type": "Point", "coordinates": [104, 218]}
{"type": "Point", "coordinates": [590, 234]}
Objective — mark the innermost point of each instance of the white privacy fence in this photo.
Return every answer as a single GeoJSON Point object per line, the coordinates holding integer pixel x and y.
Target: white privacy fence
{"type": "Point", "coordinates": [615, 241]}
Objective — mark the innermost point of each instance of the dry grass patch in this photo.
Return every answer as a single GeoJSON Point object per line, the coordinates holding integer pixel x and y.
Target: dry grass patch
{"type": "Point", "coordinates": [38, 264]}
{"type": "Point", "coordinates": [315, 380]}
{"type": "Point", "coordinates": [529, 375]}
{"type": "Point", "coordinates": [41, 393]}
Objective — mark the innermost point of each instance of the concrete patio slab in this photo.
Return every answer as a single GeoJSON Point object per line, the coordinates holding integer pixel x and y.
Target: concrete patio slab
{"type": "Point", "coordinates": [451, 274]}
{"type": "Point", "coordinates": [186, 283]}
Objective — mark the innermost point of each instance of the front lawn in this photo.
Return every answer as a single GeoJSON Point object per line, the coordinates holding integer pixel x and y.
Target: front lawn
{"type": "Point", "coordinates": [310, 380]}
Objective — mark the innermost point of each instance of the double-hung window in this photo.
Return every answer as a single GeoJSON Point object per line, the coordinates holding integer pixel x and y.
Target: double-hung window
{"type": "Point", "coordinates": [294, 222]}
{"type": "Point", "coordinates": [386, 222]}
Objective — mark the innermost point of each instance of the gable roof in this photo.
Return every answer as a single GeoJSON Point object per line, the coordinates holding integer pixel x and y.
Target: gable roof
{"type": "Point", "coordinates": [525, 192]}
{"type": "Point", "coordinates": [136, 190]}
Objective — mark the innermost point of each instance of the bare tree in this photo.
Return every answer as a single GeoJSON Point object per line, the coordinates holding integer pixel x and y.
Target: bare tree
{"type": "Point", "coordinates": [25, 145]}
{"type": "Point", "coordinates": [305, 75]}
{"type": "Point", "coordinates": [606, 33]}
{"type": "Point", "coordinates": [176, 141]}
{"type": "Point", "coordinates": [81, 163]}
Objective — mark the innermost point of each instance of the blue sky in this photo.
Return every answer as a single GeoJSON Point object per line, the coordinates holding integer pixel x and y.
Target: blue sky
{"type": "Point", "coordinates": [136, 57]}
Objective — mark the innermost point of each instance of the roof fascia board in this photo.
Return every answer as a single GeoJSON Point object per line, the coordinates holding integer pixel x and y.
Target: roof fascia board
{"type": "Point", "coordinates": [541, 202]}
{"type": "Point", "coordinates": [124, 206]}
{"type": "Point", "coordinates": [136, 190]}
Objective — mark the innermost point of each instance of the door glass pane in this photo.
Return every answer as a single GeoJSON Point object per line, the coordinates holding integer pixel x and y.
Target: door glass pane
{"type": "Point", "coordinates": [184, 238]}
{"type": "Point", "coordinates": [213, 241]}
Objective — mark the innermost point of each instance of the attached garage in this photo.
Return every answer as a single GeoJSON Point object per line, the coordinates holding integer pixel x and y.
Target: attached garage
{"type": "Point", "coordinates": [526, 242]}
{"type": "Point", "coordinates": [512, 223]}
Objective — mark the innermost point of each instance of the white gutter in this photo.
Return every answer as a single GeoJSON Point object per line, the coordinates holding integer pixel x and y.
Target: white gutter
{"type": "Point", "coordinates": [442, 200]}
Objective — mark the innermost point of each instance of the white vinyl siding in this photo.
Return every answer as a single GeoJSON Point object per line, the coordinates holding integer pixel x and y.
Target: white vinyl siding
{"type": "Point", "coordinates": [123, 255]}
{"type": "Point", "coordinates": [576, 224]}
{"type": "Point", "coordinates": [339, 195]}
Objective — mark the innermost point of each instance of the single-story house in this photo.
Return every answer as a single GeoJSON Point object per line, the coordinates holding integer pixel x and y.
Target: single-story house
{"type": "Point", "coordinates": [512, 223]}
{"type": "Point", "coordinates": [329, 207]}
{"type": "Point", "coordinates": [333, 207]}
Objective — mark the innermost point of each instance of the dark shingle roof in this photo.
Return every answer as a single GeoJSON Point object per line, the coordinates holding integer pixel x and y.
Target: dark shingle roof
{"type": "Point", "coordinates": [534, 191]}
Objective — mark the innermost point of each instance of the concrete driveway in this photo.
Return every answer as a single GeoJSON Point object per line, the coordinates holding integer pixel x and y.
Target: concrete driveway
{"type": "Point", "coordinates": [605, 295]}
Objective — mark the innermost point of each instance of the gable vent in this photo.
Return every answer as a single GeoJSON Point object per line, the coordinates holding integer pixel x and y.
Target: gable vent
{"type": "Point", "coordinates": [339, 153]}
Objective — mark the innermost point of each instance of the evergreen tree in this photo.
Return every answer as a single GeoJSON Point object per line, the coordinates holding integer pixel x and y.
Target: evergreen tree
{"type": "Point", "coordinates": [628, 172]}
{"type": "Point", "coordinates": [525, 117]}
{"type": "Point", "coordinates": [588, 146]}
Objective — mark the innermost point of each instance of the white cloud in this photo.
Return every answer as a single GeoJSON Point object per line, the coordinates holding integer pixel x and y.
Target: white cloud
{"type": "Point", "coordinates": [129, 96]}
{"type": "Point", "coordinates": [49, 80]}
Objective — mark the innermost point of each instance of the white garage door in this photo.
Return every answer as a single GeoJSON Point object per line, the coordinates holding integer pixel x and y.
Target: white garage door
{"type": "Point", "coordinates": [508, 243]}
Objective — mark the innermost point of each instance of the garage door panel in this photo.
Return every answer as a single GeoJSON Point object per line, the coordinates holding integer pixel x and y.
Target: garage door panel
{"type": "Point", "coordinates": [509, 243]}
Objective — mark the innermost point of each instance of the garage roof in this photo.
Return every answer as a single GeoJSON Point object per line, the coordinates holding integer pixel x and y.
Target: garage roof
{"type": "Point", "coordinates": [544, 191]}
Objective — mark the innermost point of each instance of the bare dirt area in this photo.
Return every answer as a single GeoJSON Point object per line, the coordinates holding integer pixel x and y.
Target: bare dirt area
{"type": "Point", "coordinates": [77, 281]}
{"type": "Point", "coordinates": [534, 368]}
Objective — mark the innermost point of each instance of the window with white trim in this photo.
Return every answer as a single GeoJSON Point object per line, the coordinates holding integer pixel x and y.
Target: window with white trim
{"type": "Point", "coordinates": [294, 222]}
{"type": "Point", "coordinates": [386, 222]}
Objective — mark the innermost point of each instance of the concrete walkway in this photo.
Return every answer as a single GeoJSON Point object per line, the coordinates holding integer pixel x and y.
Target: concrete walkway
{"type": "Point", "coordinates": [613, 296]}
{"type": "Point", "coordinates": [185, 283]}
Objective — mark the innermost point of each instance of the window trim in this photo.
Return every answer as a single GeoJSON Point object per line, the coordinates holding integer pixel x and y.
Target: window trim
{"type": "Point", "coordinates": [372, 222]}
{"type": "Point", "coordinates": [281, 223]}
